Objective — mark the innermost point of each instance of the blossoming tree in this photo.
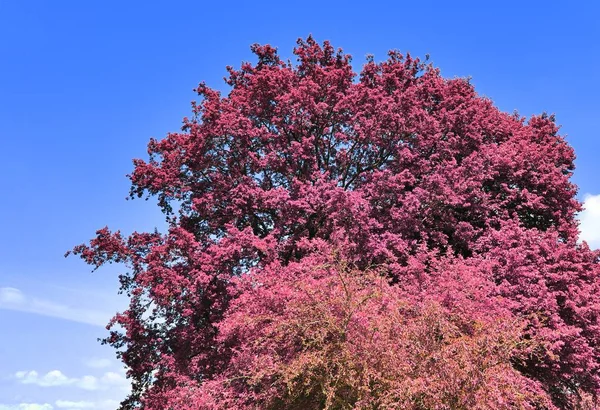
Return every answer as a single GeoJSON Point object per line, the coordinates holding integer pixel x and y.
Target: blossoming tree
{"type": "Point", "coordinates": [383, 240]}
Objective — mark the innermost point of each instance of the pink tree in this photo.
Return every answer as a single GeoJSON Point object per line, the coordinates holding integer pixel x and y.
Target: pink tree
{"type": "Point", "coordinates": [339, 241]}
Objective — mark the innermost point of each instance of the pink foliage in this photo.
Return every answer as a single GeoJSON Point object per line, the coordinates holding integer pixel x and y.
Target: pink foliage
{"type": "Point", "coordinates": [380, 241]}
{"type": "Point", "coordinates": [315, 335]}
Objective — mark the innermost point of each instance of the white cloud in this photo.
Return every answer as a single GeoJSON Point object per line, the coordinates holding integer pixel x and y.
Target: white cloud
{"type": "Point", "coordinates": [11, 296]}
{"type": "Point", "coordinates": [26, 406]}
{"type": "Point", "coordinates": [34, 406]}
{"type": "Point", "coordinates": [64, 404]}
{"type": "Point", "coordinates": [14, 299]}
{"type": "Point", "coordinates": [88, 383]}
{"type": "Point", "coordinates": [55, 378]}
{"type": "Point", "coordinates": [82, 405]}
{"type": "Point", "coordinates": [590, 221]}
{"type": "Point", "coordinates": [52, 378]}
{"type": "Point", "coordinates": [67, 404]}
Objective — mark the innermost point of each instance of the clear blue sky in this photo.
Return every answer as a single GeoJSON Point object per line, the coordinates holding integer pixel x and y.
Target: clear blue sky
{"type": "Point", "coordinates": [85, 84]}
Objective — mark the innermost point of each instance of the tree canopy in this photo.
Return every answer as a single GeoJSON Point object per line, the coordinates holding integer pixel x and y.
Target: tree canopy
{"type": "Point", "coordinates": [381, 240]}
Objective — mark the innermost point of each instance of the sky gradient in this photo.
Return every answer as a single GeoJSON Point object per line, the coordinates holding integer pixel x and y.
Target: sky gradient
{"type": "Point", "coordinates": [84, 85]}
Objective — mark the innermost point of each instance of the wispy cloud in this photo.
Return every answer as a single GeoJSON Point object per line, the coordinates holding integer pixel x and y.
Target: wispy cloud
{"type": "Point", "coordinates": [56, 378]}
{"type": "Point", "coordinates": [590, 221]}
{"type": "Point", "coordinates": [26, 406]}
{"type": "Point", "coordinates": [15, 299]}
{"type": "Point", "coordinates": [68, 404]}
{"type": "Point", "coordinates": [52, 378]}
{"type": "Point", "coordinates": [64, 404]}
{"type": "Point", "coordinates": [81, 405]}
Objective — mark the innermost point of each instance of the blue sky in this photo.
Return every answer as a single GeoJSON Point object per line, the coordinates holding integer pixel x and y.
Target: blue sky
{"type": "Point", "coordinates": [85, 84]}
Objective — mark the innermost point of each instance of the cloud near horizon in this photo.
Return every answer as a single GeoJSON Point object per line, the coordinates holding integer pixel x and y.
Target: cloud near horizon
{"type": "Point", "coordinates": [27, 406]}
{"type": "Point", "coordinates": [56, 378]}
{"type": "Point", "coordinates": [589, 221]}
{"type": "Point", "coordinates": [64, 404]}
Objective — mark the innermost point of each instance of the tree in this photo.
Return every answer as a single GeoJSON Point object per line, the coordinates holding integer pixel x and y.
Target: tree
{"type": "Point", "coordinates": [386, 240]}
